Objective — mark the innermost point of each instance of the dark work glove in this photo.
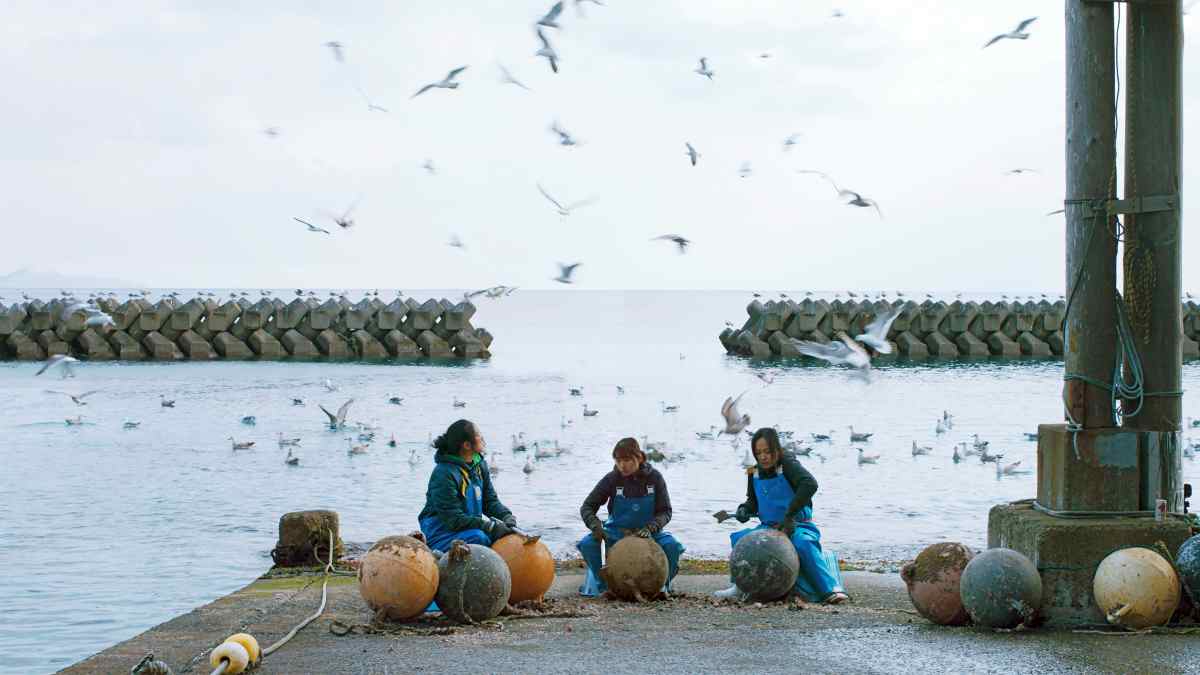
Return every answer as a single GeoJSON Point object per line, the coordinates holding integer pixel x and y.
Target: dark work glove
{"type": "Point", "coordinates": [510, 520]}
{"type": "Point", "coordinates": [643, 532]}
{"type": "Point", "coordinates": [598, 534]}
{"type": "Point", "coordinates": [743, 514]}
{"type": "Point", "coordinates": [498, 529]}
{"type": "Point", "coordinates": [787, 526]}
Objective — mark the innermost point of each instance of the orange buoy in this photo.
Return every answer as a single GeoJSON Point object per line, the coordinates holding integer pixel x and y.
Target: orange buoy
{"type": "Point", "coordinates": [400, 575]}
{"type": "Point", "coordinates": [529, 563]}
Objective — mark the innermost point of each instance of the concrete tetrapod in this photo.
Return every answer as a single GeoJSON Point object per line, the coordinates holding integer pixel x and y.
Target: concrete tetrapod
{"type": "Point", "coordinates": [933, 582]}
{"type": "Point", "coordinates": [473, 583]}
{"type": "Point", "coordinates": [637, 568]}
{"type": "Point", "coordinates": [1136, 588]}
{"type": "Point", "coordinates": [764, 565]}
{"type": "Point", "coordinates": [398, 576]}
{"type": "Point", "coordinates": [1001, 588]}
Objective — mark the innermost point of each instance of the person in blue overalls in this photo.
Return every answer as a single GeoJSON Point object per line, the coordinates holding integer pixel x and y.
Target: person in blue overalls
{"type": "Point", "coordinates": [638, 505]}
{"type": "Point", "coordinates": [460, 502]}
{"type": "Point", "coordinates": [779, 492]}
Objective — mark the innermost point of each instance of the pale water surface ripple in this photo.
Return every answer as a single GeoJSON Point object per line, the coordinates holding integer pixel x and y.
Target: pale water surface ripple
{"type": "Point", "coordinates": [106, 532]}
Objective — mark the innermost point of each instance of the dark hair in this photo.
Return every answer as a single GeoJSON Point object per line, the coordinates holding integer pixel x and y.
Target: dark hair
{"type": "Point", "coordinates": [772, 438]}
{"type": "Point", "coordinates": [628, 448]}
{"type": "Point", "coordinates": [462, 431]}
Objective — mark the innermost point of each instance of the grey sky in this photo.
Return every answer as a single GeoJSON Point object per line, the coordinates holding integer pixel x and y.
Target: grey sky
{"type": "Point", "coordinates": [134, 137]}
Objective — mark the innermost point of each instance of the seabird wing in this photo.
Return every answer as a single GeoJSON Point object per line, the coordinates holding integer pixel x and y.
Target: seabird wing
{"type": "Point", "coordinates": [834, 352]}
{"type": "Point", "coordinates": [994, 40]}
{"type": "Point", "coordinates": [552, 14]}
{"type": "Point", "coordinates": [582, 202]}
{"type": "Point", "coordinates": [547, 194]}
{"type": "Point", "coordinates": [454, 73]}
{"type": "Point", "coordinates": [341, 414]}
{"type": "Point", "coordinates": [332, 418]}
{"type": "Point", "coordinates": [87, 394]}
{"type": "Point", "coordinates": [1025, 24]}
{"type": "Point", "coordinates": [424, 89]}
{"type": "Point", "coordinates": [545, 43]}
{"type": "Point", "coordinates": [822, 175]}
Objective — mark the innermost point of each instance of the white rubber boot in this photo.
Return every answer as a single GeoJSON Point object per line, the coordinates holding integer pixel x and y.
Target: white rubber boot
{"type": "Point", "coordinates": [733, 593]}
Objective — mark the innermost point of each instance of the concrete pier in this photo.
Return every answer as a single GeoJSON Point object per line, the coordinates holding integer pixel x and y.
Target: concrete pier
{"type": "Point", "coordinates": [201, 329]}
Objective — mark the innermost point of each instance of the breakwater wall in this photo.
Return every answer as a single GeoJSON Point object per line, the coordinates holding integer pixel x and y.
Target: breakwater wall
{"type": "Point", "coordinates": [931, 329]}
{"type": "Point", "coordinates": [201, 329]}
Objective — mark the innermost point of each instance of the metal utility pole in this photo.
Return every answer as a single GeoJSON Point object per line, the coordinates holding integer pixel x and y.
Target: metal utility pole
{"type": "Point", "coordinates": [1153, 166]}
{"type": "Point", "coordinates": [1089, 346]}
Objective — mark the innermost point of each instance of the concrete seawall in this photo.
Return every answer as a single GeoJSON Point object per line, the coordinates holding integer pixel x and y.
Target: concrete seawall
{"type": "Point", "coordinates": [927, 330]}
{"type": "Point", "coordinates": [201, 329]}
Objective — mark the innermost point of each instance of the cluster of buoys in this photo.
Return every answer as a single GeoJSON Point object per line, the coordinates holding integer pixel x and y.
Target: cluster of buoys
{"type": "Point", "coordinates": [400, 576]}
{"type": "Point", "coordinates": [235, 655]}
{"type": "Point", "coordinates": [1135, 587]}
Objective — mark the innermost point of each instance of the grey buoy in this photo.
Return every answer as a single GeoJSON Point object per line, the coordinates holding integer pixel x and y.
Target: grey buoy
{"type": "Point", "coordinates": [764, 565]}
{"type": "Point", "coordinates": [473, 583]}
{"type": "Point", "coordinates": [1188, 563]}
{"type": "Point", "coordinates": [1001, 588]}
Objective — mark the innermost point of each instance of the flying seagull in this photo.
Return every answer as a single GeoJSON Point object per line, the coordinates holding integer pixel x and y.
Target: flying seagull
{"type": "Point", "coordinates": [547, 50]}
{"type": "Point", "coordinates": [853, 198]}
{"type": "Point", "coordinates": [1016, 34]}
{"type": "Point", "coordinates": [550, 19]}
{"type": "Point", "coordinates": [446, 82]}
{"type": "Point", "coordinates": [579, 5]}
{"type": "Point", "coordinates": [735, 422]}
{"type": "Point", "coordinates": [844, 351]}
{"type": "Point", "coordinates": [565, 272]}
{"type": "Point", "coordinates": [344, 221]}
{"type": "Point", "coordinates": [59, 360]}
{"type": "Point", "coordinates": [563, 210]}
{"type": "Point", "coordinates": [1018, 172]}
{"type": "Point", "coordinates": [564, 138]}
{"type": "Point", "coordinates": [1054, 213]}
{"type": "Point", "coordinates": [271, 132]}
{"type": "Point", "coordinates": [679, 241]}
{"type": "Point", "coordinates": [428, 166]}
{"type": "Point", "coordinates": [692, 153]}
{"type": "Point", "coordinates": [310, 226]}
{"type": "Point", "coordinates": [339, 420]}
{"type": "Point", "coordinates": [455, 242]}
{"type": "Point", "coordinates": [370, 104]}
{"type": "Point", "coordinates": [507, 78]}
{"type": "Point", "coordinates": [77, 399]}
{"type": "Point", "coordinates": [336, 48]}
{"type": "Point", "coordinates": [790, 141]}
{"type": "Point", "coordinates": [704, 69]}
{"type": "Point", "coordinates": [874, 334]}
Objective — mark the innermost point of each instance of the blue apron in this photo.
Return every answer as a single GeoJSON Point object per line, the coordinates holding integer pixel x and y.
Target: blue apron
{"type": "Point", "coordinates": [627, 513]}
{"type": "Point", "coordinates": [437, 535]}
{"type": "Point", "coordinates": [819, 574]}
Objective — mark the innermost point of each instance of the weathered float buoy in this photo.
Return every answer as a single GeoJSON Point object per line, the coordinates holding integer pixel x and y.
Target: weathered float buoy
{"type": "Point", "coordinates": [399, 575]}
{"type": "Point", "coordinates": [764, 565]}
{"type": "Point", "coordinates": [233, 655]}
{"type": "Point", "coordinates": [1136, 588]}
{"type": "Point", "coordinates": [933, 582]}
{"type": "Point", "coordinates": [529, 564]}
{"type": "Point", "coordinates": [1188, 563]}
{"type": "Point", "coordinates": [474, 583]}
{"type": "Point", "coordinates": [247, 641]}
{"type": "Point", "coordinates": [1001, 588]}
{"type": "Point", "coordinates": [637, 568]}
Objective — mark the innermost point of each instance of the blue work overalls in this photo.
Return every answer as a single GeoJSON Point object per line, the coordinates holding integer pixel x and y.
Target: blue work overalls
{"type": "Point", "coordinates": [439, 537]}
{"type": "Point", "coordinates": [819, 574]}
{"type": "Point", "coordinates": [628, 513]}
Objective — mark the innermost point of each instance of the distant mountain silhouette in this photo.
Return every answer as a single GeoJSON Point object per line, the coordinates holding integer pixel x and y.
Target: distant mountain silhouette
{"type": "Point", "coordinates": [35, 278]}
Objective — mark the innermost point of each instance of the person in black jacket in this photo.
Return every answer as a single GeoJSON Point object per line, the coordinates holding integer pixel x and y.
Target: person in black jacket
{"type": "Point", "coordinates": [638, 504]}
{"type": "Point", "coordinates": [460, 502]}
{"type": "Point", "coordinates": [779, 493]}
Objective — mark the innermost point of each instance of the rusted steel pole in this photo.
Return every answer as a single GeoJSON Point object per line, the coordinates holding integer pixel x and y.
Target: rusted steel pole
{"type": "Point", "coordinates": [1153, 166]}
{"type": "Point", "coordinates": [1089, 346]}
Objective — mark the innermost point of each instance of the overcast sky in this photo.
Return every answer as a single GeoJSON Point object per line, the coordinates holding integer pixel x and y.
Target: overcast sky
{"type": "Point", "coordinates": [134, 144]}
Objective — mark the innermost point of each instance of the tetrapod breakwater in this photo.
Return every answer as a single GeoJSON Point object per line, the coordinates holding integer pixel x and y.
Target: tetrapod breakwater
{"type": "Point", "coordinates": [931, 329]}
{"type": "Point", "coordinates": [201, 329]}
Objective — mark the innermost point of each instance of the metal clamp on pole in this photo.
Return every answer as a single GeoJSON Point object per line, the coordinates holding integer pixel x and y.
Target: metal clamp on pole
{"type": "Point", "coordinates": [1141, 204]}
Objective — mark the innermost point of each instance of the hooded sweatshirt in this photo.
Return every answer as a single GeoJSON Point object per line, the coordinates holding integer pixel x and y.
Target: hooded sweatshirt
{"type": "Point", "coordinates": [646, 480]}
{"type": "Point", "coordinates": [446, 496]}
{"type": "Point", "coordinates": [802, 482]}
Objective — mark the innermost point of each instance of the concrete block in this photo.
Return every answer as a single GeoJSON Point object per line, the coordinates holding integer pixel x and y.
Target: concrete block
{"type": "Point", "coordinates": [11, 319]}
{"type": "Point", "coordinates": [187, 315]}
{"type": "Point", "coordinates": [806, 317]}
{"type": "Point", "coordinates": [41, 316]}
{"type": "Point", "coordinates": [1031, 346]}
{"type": "Point", "coordinates": [1055, 340]}
{"type": "Point", "coordinates": [153, 318]}
{"type": "Point", "coordinates": [257, 315]}
{"type": "Point", "coordinates": [1001, 345]}
{"type": "Point", "coordinates": [969, 345]}
{"type": "Point", "coordinates": [837, 318]}
{"type": "Point", "coordinates": [299, 345]}
{"type": "Point", "coordinates": [1189, 347]}
{"type": "Point", "coordinates": [290, 315]}
{"type": "Point", "coordinates": [66, 334]}
{"type": "Point", "coordinates": [432, 345]}
{"type": "Point", "coordinates": [356, 318]}
{"type": "Point", "coordinates": [911, 346]}
{"type": "Point", "coordinates": [229, 347]}
{"type": "Point", "coordinates": [390, 316]}
{"type": "Point", "coordinates": [72, 321]}
{"type": "Point", "coordinates": [127, 314]}
{"type": "Point", "coordinates": [1067, 551]}
{"type": "Point", "coordinates": [169, 333]}
{"type": "Point", "coordinates": [401, 346]}
{"type": "Point", "coordinates": [333, 345]}
{"type": "Point", "coordinates": [23, 348]}
{"type": "Point", "coordinates": [93, 346]}
{"type": "Point", "coordinates": [485, 336]}
{"type": "Point", "coordinates": [222, 318]}
{"type": "Point", "coordinates": [1047, 321]}
{"type": "Point", "coordinates": [53, 345]}
{"type": "Point", "coordinates": [928, 319]}
{"type": "Point", "coordinates": [1017, 322]}
{"type": "Point", "coordinates": [1103, 469]}
{"type": "Point", "coordinates": [265, 346]}
{"type": "Point", "coordinates": [323, 317]}
{"type": "Point", "coordinates": [773, 316]}
{"type": "Point", "coordinates": [457, 317]}
{"type": "Point", "coordinates": [958, 318]}
{"type": "Point", "coordinates": [127, 347]}
{"type": "Point", "coordinates": [749, 345]}
{"type": "Point", "coordinates": [195, 347]}
{"type": "Point", "coordinates": [367, 347]}
{"type": "Point", "coordinates": [466, 345]}
{"type": "Point", "coordinates": [940, 346]}
{"type": "Point", "coordinates": [423, 317]}
{"type": "Point", "coordinates": [903, 322]}
{"type": "Point", "coordinates": [989, 320]}
{"type": "Point", "coordinates": [782, 345]}
{"type": "Point", "coordinates": [160, 348]}
{"type": "Point", "coordinates": [726, 339]}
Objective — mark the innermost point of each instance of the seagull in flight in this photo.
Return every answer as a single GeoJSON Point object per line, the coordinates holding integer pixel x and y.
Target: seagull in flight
{"type": "Point", "coordinates": [339, 420]}
{"type": "Point", "coordinates": [735, 422]}
{"type": "Point", "coordinates": [271, 132]}
{"type": "Point", "coordinates": [1018, 172]}
{"type": "Point", "coordinates": [59, 360]}
{"type": "Point", "coordinates": [550, 19]}
{"type": "Point", "coordinates": [679, 241]}
{"type": "Point", "coordinates": [853, 198]}
{"type": "Point", "coordinates": [1056, 212]}
{"type": "Point", "coordinates": [843, 351]}
{"type": "Point", "coordinates": [874, 334]}
{"type": "Point", "coordinates": [446, 82]}
{"type": "Point", "coordinates": [790, 142]}
{"type": "Point", "coordinates": [77, 399]}
{"type": "Point", "coordinates": [564, 138]}
{"type": "Point", "coordinates": [1017, 34]}
{"type": "Point", "coordinates": [745, 170]}
{"type": "Point", "coordinates": [455, 242]}
{"type": "Point", "coordinates": [563, 210]}
{"type": "Point", "coordinates": [579, 5]}
{"type": "Point", "coordinates": [565, 272]}
{"type": "Point", "coordinates": [337, 49]}
{"type": "Point", "coordinates": [507, 78]}
{"type": "Point", "coordinates": [692, 153]}
{"type": "Point", "coordinates": [547, 49]}
{"type": "Point", "coordinates": [428, 166]}
{"type": "Point", "coordinates": [704, 69]}
{"type": "Point", "coordinates": [343, 221]}
{"type": "Point", "coordinates": [310, 226]}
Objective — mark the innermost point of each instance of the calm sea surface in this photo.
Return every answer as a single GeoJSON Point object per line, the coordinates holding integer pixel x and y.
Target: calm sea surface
{"type": "Point", "coordinates": [106, 532]}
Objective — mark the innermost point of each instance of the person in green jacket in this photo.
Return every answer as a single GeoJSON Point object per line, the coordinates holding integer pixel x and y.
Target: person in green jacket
{"type": "Point", "coordinates": [460, 502]}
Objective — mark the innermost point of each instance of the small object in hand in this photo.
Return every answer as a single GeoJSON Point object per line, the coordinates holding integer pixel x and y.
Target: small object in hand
{"type": "Point", "coordinates": [643, 532]}
{"type": "Point", "coordinates": [722, 515]}
{"type": "Point", "coordinates": [598, 534]}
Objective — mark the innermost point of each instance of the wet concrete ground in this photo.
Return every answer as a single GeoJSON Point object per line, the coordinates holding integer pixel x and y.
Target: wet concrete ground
{"type": "Point", "coordinates": [877, 633]}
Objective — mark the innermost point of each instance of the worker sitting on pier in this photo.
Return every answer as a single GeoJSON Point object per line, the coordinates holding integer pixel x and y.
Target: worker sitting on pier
{"type": "Point", "coordinates": [638, 505]}
{"type": "Point", "coordinates": [779, 492]}
{"type": "Point", "coordinates": [460, 502]}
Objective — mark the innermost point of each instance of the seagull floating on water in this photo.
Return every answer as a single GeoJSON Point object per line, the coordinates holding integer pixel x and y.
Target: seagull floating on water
{"type": "Point", "coordinates": [867, 459]}
{"type": "Point", "coordinates": [447, 82]}
{"type": "Point", "coordinates": [241, 445]}
{"type": "Point", "coordinates": [588, 412]}
{"type": "Point", "coordinates": [856, 437]}
{"type": "Point", "coordinates": [339, 420]}
{"type": "Point", "coordinates": [1016, 34]}
{"type": "Point", "coordinates": [920, 449]}
{"type": "Point", "coordinates": [250, 420]}
{"type": "Point", "coordinates": [459, 404]}
{"type": "Point", "coordinates": [291, 460]}
{"type": "Point", "coordinates": [166, 402]}
{"type": "Point", "coordinates": [131, 425]}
